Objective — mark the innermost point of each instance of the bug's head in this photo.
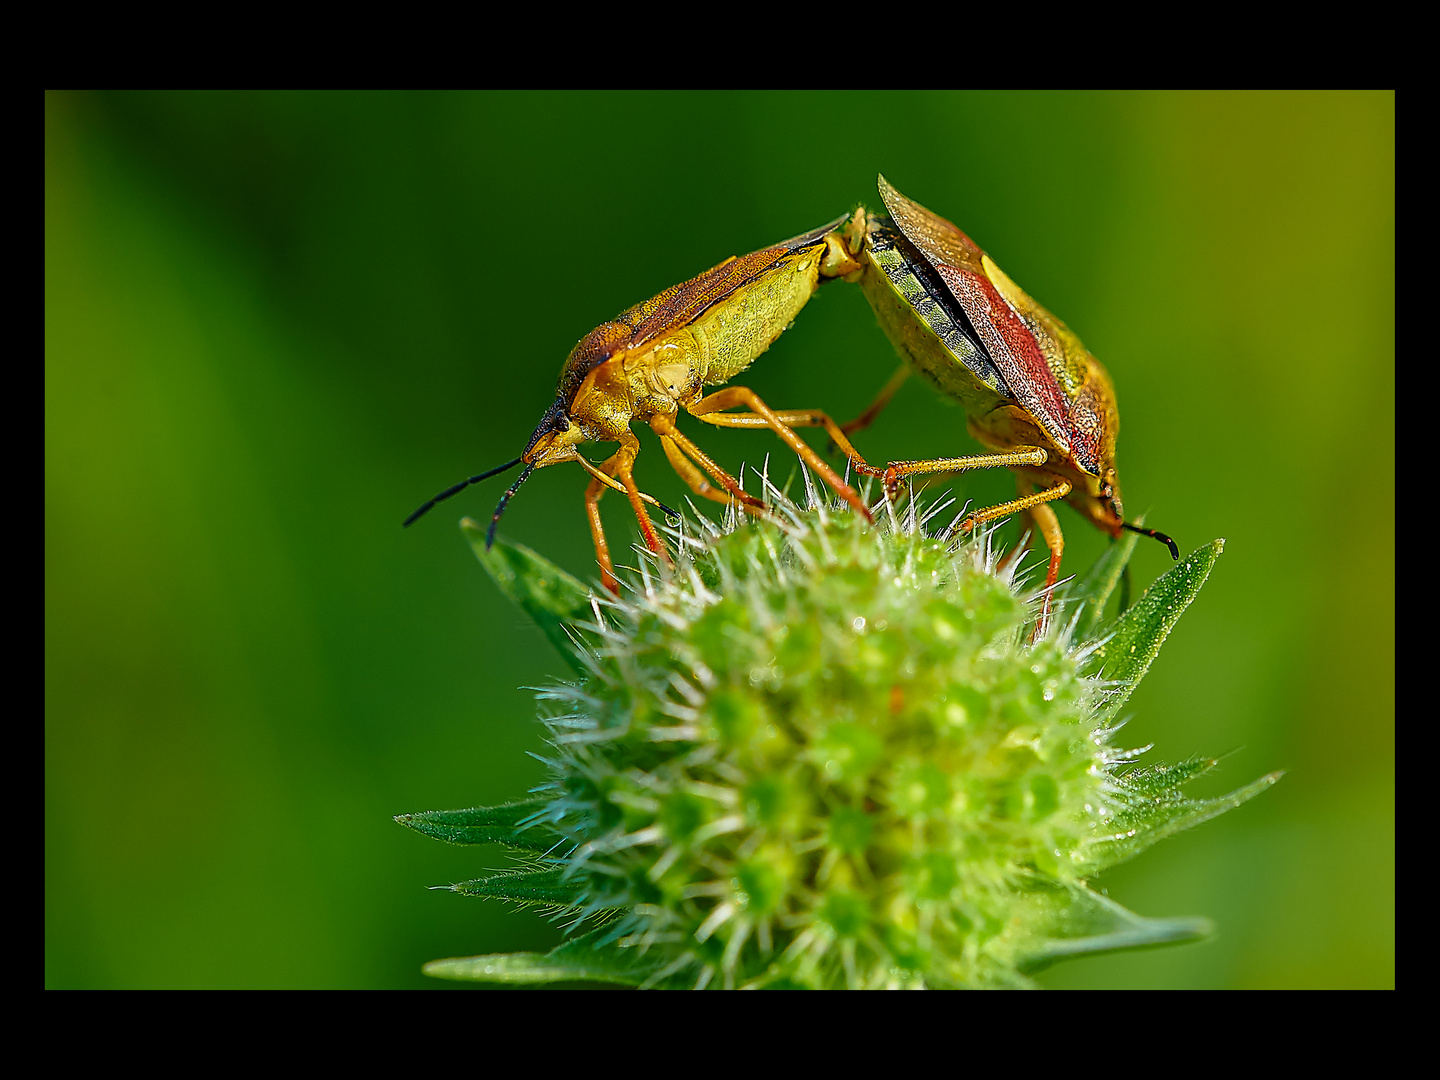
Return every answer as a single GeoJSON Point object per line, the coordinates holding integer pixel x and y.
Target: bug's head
{"type": "Point", "coordinates": [553, 441]}
{"type": "Point", "coordinates": [596, 410]}
{"type": "Point", "coordinates": [1097, 496]}
{"type": "Point", "coordinates": [592, 405]}
{"type": "Point", "coordinates": [554, 438]}
{"type": "Point", "coordinates": [1101, 503]}
{"type": "Point", "coordinates": [1109, 495]}
{"type": "Point", "coordinates": [1113, 522]}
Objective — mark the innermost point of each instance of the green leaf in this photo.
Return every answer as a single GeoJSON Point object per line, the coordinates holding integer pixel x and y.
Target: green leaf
{"type": "Point", "coordinates": [556, 601]}
{"type": "Point", "coordinates": [1080, 922]}
{"type": "Point", "coordinates": [525, 887]}
{"type": "Point", "coordinates": [1140, 632]}
{"type": "Point", "coordinates": [1154, 818]}
{"type": "Point", "coordinates": [584, 959]}
{"type": "Point", "coordinates": [1100, 582]}
{"type": "Point", "coordinates": [486, 825]}
{"type": "Point", "coordinates": [1149, 782]}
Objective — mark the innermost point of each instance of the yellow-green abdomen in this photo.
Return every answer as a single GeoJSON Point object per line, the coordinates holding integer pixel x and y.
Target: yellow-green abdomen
{"type": "Point", "coordinates": [925, 323]}
{"type": "Point", "coordinates": [731, 334]}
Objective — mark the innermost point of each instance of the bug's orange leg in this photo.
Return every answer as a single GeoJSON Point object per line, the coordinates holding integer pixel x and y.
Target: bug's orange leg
{"type": "Point", "coordinates": [619, 465]}
{"type": "Point", "coordinates": [677, 446]}
{"type": "Point", "coordinates": [897, 470]}
{"type": "Point", "coordinates": [1045, 520]}
{"type": "Point", "coordinates": [866, 418]}
{"type": "Point", "coordinates": [1028, 527]}
{"type": "Point", "coordinates": [797, 418]}
{"type": "Point", "coordinates": [611, 482]}
{"type": "Point", "coordinates": [708, 409]}
{"type": "Point", "coordinates": [624, 460]}
{"type": "Point", "coordinates": [1033, 503]}
{"type": "Point", "coordinates": [1049, 526]}
{"type": "Point", "coordinates": [593, 491]}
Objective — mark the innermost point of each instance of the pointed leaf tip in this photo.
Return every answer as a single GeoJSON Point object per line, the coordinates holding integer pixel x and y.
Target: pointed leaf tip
{"type": "Point", "coordinates": [556, 601]}
{"type": "Point", "coordinates": [1140, 632]}
{"type": "Point", "coordinates": [1083, 923]}
{"type": "Point", "coordinates": [588, 958]}
{"type": "Point", "coordinates": [512, 824]}
{"type": "Point", "coordinates": [500, 967]}
{"type": "Point", "coordinates": [1163, 813]}
{"type": "Point", "coordinates": [525, 887]}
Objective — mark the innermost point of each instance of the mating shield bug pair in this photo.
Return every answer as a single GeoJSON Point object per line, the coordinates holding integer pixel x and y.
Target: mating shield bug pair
{"type": "Point", "coordinates": [1032, 393]}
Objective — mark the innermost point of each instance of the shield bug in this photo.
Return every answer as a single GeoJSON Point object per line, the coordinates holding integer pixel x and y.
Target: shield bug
{"type": "Point", "coordinates": [656, 358]}
{"type": "Point", "coordinates": [1031, 391]}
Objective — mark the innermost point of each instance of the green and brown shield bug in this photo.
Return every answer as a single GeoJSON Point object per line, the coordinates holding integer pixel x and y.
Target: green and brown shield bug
{"type": "Point", "coordinates": [656, 358]}
{"type": "Point", "coordinates": [1031, 391]}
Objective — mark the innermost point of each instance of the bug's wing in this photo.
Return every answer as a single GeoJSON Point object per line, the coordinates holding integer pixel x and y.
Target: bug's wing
{"type": "Point", "coordinates": [1028, 359]}
{"type": "Point", "coordinates": [956, 363]}
{"type": "Point", "coordinates": [814, 236]}
{"type": "Point", "coordinates": [670, 310]}
{"type": "Point", "coordinates": [681, 304]}
{"type": "Point", "coordinates": [1093, 421]}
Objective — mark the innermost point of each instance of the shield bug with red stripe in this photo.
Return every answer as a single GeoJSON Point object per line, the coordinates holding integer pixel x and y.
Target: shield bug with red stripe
{"type": "Point", "coordinates": [1032, 393]}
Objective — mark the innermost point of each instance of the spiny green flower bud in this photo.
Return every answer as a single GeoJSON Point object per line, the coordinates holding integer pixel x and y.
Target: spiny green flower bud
{"type": "Point", "coordinates": [811, 752]}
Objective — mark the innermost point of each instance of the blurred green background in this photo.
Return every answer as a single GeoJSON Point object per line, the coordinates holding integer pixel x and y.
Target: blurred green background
{"type": "Point", "coordinates": [276, 323]}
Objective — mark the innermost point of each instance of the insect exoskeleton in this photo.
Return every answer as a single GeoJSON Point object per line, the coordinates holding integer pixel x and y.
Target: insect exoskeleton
{"type": "Point", "coordinates": [657, 358]}
{"type": "Point", "coordinates": [1031, 391]}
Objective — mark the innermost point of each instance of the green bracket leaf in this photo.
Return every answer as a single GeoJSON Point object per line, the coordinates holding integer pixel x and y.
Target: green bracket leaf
{"type": "Point", "coordinates": [582, 959]}
{"type": "Point", "coordinates": [1083, 923]}
{"type": "Point", "coordinates": [1159, 817]}
{"type": "Point", "coordinates": [485, 825]}
{"type": "Point", "coordinates": [525, 887]}
{"type": "Point", "coordinates": [1140, 632]}
{"type": "Point", "coordinates": [556, 601]}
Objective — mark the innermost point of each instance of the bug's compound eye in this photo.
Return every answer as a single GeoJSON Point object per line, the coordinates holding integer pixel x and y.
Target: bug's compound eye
{"type": "Point", "coordinates": [562, 423]}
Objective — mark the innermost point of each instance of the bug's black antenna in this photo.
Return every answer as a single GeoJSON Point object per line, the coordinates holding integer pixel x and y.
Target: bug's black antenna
{"type": "Point", "coordinates": [1157, 534]}
{"type": "Point", "coordinates": [461, 487]}
{"type": "Point", "coordinates": [495, 520]}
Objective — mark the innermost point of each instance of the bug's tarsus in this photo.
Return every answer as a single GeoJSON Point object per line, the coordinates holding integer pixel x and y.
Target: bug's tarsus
{"type": "Point", "coordinates": [500, 509]}
{"type": "Point", "coordinates": [1158, 535]}
{"type": "Point", "coordinates": [459, 488]}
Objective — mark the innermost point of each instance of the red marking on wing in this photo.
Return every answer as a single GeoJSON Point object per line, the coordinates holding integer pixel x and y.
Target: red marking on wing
{"type": "Point", "coordinates": [1014, 350]}
{"type": "Point", "coordinates": [1084, 428]}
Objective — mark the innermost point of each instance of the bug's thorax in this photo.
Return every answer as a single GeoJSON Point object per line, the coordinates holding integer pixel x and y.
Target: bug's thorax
{"type": "Point", "coordinates": [637, 385]}
{"type": "Point", "coordinates": [669, 373]}
{"type": "Point", "coordinates": [631, 385]}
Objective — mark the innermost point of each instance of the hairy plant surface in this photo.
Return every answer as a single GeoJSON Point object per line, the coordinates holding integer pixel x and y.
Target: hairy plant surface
{"type": "Point", "coordinates": [818, 753]}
